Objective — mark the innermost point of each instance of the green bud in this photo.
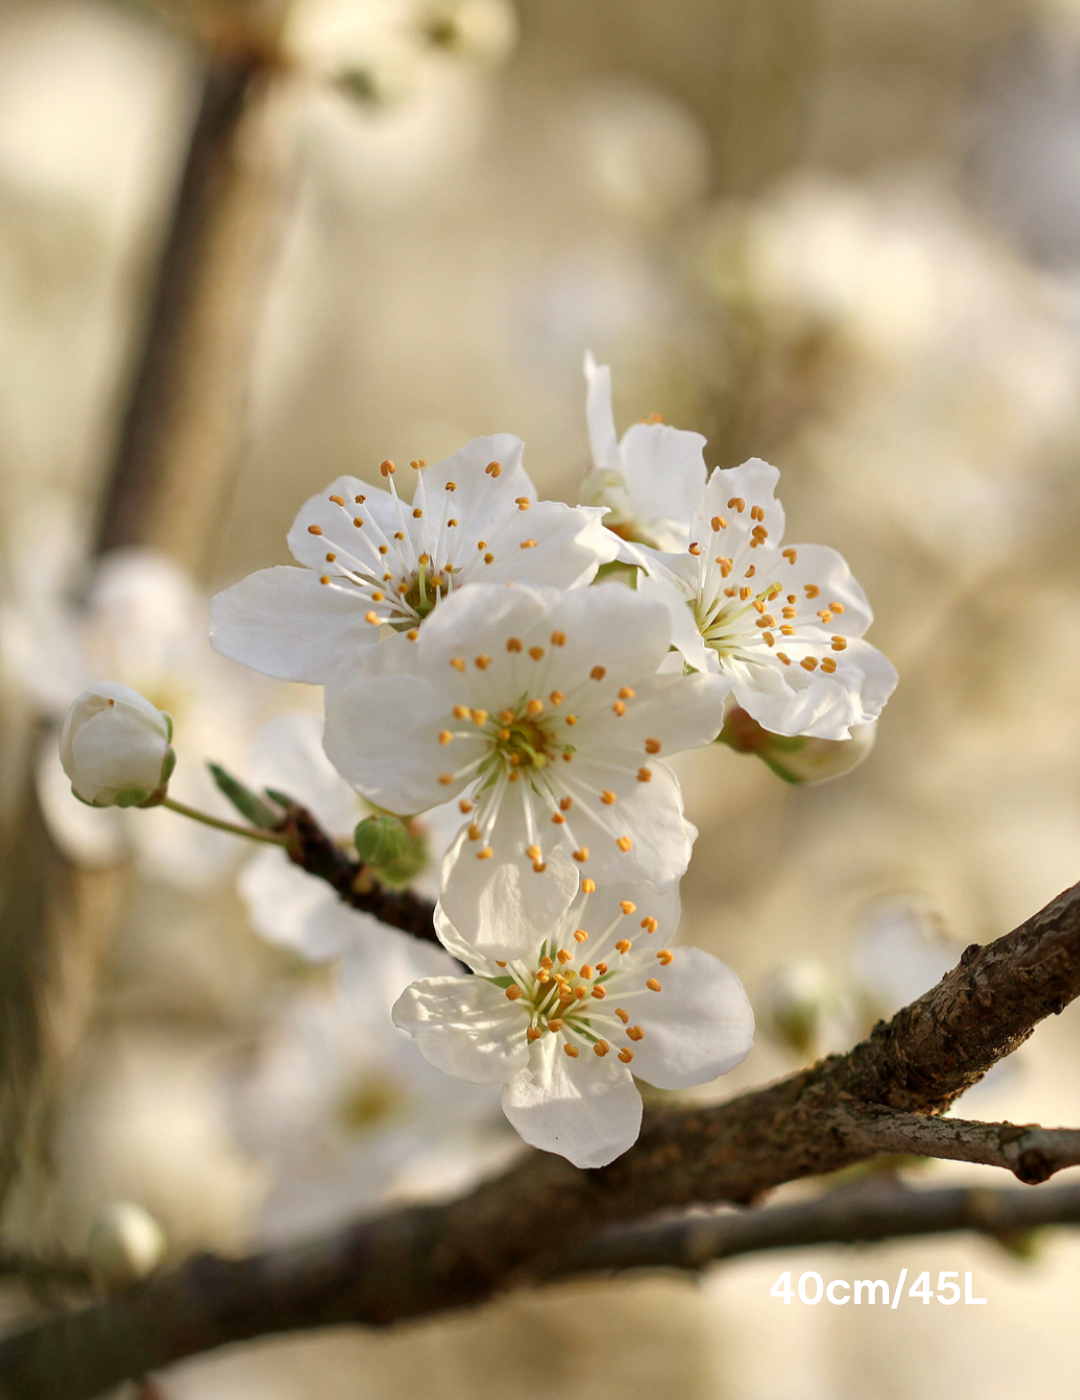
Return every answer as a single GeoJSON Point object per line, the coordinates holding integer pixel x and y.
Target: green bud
{"type": "Point", "coordinates": [381, 840]}
{"type": "Point", "coordinates": [797, 758]}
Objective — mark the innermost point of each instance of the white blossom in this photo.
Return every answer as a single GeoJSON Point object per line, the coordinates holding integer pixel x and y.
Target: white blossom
{"type": "Point", "coordinates": [580, 1006]}
{"type": "Point", "coordinates": [374, 563]}
{"type": "Point", "coordinates": [341, 1111]}
{"type": "Point", "coordinates": [114, 746]}
{"type": "Point", "coordinates": [649, 481]}
{"type": "Point", "coordinates": [780, 626]}
{"type": "Point", "coordinates": [542, 713]}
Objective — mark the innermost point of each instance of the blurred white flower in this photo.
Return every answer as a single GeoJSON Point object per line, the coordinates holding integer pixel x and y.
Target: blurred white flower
{"type": "Point", "coordinates": [342, 1112]}
{"type": "Point", "coordinates": [781, 628]}
{"type": "Point", "coordinates": [114, 746]}
{"type": "Point", "coordinates": [649, 480]}
{"type": "Point", "coordinates": [551, 1022]}
{"type": "Point", "coordinates": [290, 908]}
{"type": "Point", "coordinates": [543, 713]}
{"type": "Point", "coordinates": [126, 1244]}
{"type": "Point", "coordinates": [371, 561]}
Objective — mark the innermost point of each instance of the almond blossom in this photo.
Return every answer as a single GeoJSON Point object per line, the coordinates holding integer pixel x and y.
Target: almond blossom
{"type": "Point", "coordinates": [649, 480]}
{"type": "Point", "coordinates": [373, 563]}
{"type": "Point", "coordinates": [580, 1007]}
{"type": "Point", "coordinates": [542, 713]}
{"type": "Point", "coordinates": [781, 627]}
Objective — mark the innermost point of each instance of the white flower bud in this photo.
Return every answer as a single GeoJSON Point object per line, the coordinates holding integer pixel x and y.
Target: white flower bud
{"type": "Point", "coordinates": [114, 747]}
{"type": "Point", "coordinates": [126, 1244]}
{"type": "Point", "coordinates": [795, 1000]}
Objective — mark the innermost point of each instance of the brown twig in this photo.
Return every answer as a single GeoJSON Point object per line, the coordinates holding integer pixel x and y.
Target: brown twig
{"type": "Point", "coordinates": [417, 1261]}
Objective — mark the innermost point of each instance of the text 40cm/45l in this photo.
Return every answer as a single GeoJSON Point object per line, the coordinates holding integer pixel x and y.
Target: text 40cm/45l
{"type": "Point", "coordinates": [812, 1289]}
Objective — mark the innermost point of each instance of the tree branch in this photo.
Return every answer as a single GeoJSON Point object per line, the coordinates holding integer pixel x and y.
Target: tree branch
{"type": "Point", "coordinates": [417, 1261]}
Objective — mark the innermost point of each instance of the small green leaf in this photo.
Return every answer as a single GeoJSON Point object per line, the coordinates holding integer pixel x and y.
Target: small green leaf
{"type": "Point", "coordinates": [249, 804]}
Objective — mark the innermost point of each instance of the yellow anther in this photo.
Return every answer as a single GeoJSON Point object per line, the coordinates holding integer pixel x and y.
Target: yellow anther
{"type": "Point", "coordinates": [387, 468]}
{"type": "Point", "coordinates": [828, 665]}
{"type": "Point", "coordinates": [695, 548]}
{"type": "Point", "coordinates": [446, 779]}
{"type": "Point", "coordinates": [513, 994]}
{"type": "Point", "coordinates": [513, 644]}
{"type": "Point", "coordinates": [726, 565]}
{"type": "Point", "coordinates": [564, 956]}
{"type": "Point", "coordinates": [558, 639]}
{"type": "Point", "coordinates": [837, 607]}
{"type": "Point", "coordinates": [718, 522]}
{"type": "Point", "coordinates": [536, 653]}
{"type": "Point", "coordinates": [506, 716]}
{"type": "Point", "coordinates": [635, 1033]}
{"type": "Point", "coordinates": [580, 935]}
{"type": "Point", "coordinates": [619, 707]}
{"type": "Point", "coordinates": [649, 924]}
{"type": "Point", "coordinates": [586, 971]}
{"type": "Point", "coordinates": [811, 590]}
{"type": "Point", "coordinates": [546, 962]}
{"type": "Point", "coordinates": [624, 945]}
{"type": "Point", "coordinates": [314, 529]}
{"type": "Point", "coordinates": [626, 1054]}
{"type": "Point", "coordinates": [485, 854]}
{"type": "Point", "coordinates": [756, 513]}
{"type": "Point", "coordinates": [465, 806]}
{"type": "Point", "coordinates": [744, 594]}
{"type": "Point", "coordinates": [770, 640]}
{"type": "Point", "coordinates": [533, 852]}
{"type": "Point", "coordinates": [736, 503]}
{"type": "Point", "coordinates": [758, 605]}
{"type": "Point", "coordinates": [789, 612]}
{"type": "Point", "coordinates": [665, 957]}
{"type": "Point", "coordinates": [533, 1033]}
{"type": "Point", "coordinates": [598, 673]}
{"type": "Point", "coordinates": [458, 663]}
{"type": "Point", "coordinates": [358, 522]}
{"type": "Point", "coordinates": [580, 993]}
{"type": "Point", "coordinates": [839, 644]}
{"type": "Point", "coordinates": [384, 548]}
{"type": "Point", "coordinates": [572, 1051]}
{"type": "Point", "coordinates": [534, 707]}
{"type": "Point", "coordinates": [359, 500]}
{"type": "Point", "coordinates": [601, 1048]}
{"type": "Point", "coordinates": [598, 993]}
{"type": "Point", "coordinates": [627, 906]}
{"type": "Point", "coordinates": [556, 697]}
{"type": "Point", "coordinates": [377, 597]}
{"type": "Point", "coordinates": [450, 486]}
{"type": "Point", "coordinates": [482, 662]}
{"type": "Point", "coordinates": [338, 500]}
{"type": "Point", "coordinates": [478, 717]}
{"type": "Point", "coordinates": [652, 745]}
{"type": "Point", "coordinates": [522, 502]}
{"type": "Point", "coordinates": [826, 617]}
{"type": "Point", "coordinates": [790, 555]}
{"type": "Point", "coordinates": [325, 578]}
{"type": "Point", "coordinates": [571, 719]}
{"type": "Point", "coordinates": [809, 663]}
{"type": "Point", "coordinates": [481, 545]}
{"type": "Point", "coordinates": [527, 544]}
{"type": "Point", "coordinates": [493, 469]}
{"type": "Point", "coordinates": [623, 1016]}
{"type": "Point", "coordinates": [555, 1023]}
{"type": "Point", "coordinates": [582, 856]}
{"type": "Point", "coordinates": [644, 775]}
{"type": "Point", "coordinates": [330, 558]}
{"type": "Point", "coordinates": [558, 819]}
{"type": "Point", "coordinates": [445, 736]}
{"type": "Point", "coordinates": [451, 524]}
{"type": "Point", "coordinates": [371, 617]}
{"type": "Point", "coordinates": [601, 968]}
{"type": "Point", "coordinates": [653, 985]}
{"type": "Point", "coordinates": [607, 797]}
{"type": "Point", "coordinates": [624, 843]}
{"type": "Point", "coordinates": [461, 712]}
{"type": "Point", "coordinates": [499, 964]}
{"type": "Point", "coordinates": [474, 832]}
{"type": "Point", "coordinates": [588, 886]}
{"type": "Point", "coordinates": [626, 692]}
{"type": "Point", "coordinates": [412, 634]}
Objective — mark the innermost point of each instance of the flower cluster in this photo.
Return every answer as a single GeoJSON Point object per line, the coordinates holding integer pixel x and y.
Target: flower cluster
{"type": "Point", "coordinates": [475, 660]}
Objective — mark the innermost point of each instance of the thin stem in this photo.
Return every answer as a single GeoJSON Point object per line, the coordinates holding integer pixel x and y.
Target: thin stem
{"type": "Point", "coordinates": [273, 838]}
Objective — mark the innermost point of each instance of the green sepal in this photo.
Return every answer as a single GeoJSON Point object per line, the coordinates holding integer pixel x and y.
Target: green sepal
{"type": "Point", "coordinates": [381, 840]}
{"type": "Point", "coordinates": [249, 804]}
{"type": "Point", "coordinates": [128, 797]}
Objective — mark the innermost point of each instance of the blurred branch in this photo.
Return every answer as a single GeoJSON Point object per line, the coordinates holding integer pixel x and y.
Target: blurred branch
{"type": "Point", "coordinates": [862, 1214]}
{"type": "Point", "coordinates": [409, 1263]}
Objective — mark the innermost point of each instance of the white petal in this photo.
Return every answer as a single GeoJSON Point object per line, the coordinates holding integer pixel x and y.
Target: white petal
{"type": "Point", "coordinates": [612, 627]}
{"type": "Point", "coordinates": [586, 1109]}
{"type": "Point", "coordinates": [289, 908]}
{"type": "Point", "coordinates": [699, 1025]}
{"type": "Point", "coordinates": [285, 623]}
{"type": "Point", "coordinates": [568, 544]}
{"type": "Point", "coordinates": [465, 1026]}
{"type": "Point", "coordinates": [287, 754]}
{"type": "Point", "coordinates": [382, 734]}
{"type": "Point", "coordinates": [755, 484]}
{"type": "Point", "coordinates": [825, 568]}
{"type": "Point", "coordinates": [823, 707]}
{"type": "Point", "coordinates": [502, 907]}
{"type": "Point", "coordinates": [665, 473]}
{"type": "Point", "coordinates": [603, 440]}
{"type": "Point", "coordinates": [336, 531]}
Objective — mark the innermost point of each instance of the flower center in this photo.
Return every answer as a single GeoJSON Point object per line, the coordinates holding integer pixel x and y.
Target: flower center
{"type": "Point", "coordinates": [419, 592]}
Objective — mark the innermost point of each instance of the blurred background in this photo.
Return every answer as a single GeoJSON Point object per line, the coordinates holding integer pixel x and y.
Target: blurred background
{"type": "Point", "coordinates": [247, 247]}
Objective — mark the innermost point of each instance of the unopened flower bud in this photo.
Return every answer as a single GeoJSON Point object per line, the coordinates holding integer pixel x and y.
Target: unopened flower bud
{"type": "Point", "coordinates": [381, 840]}
{"type": "Point", "coordinates": [798, 758]}
{"type": "Point", "coordinates": [115, 747]}
{"type": "Point", "coordinates": [126, 1244]}
{"type": "Point", "coordinates": [795, 1000]}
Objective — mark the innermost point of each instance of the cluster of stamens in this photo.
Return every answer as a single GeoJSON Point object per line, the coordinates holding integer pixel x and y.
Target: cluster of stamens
{"type": "Point", "coordinates": [723, 610]}
{"type": "Point", "coordinates": [532, 739]}
{"type": "Point", "coordinates": [401, 580]}
{"type": "Point", "coordinates": [575, 999]}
